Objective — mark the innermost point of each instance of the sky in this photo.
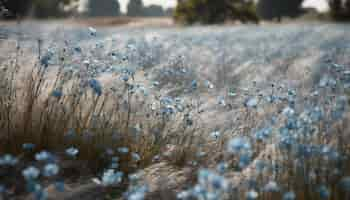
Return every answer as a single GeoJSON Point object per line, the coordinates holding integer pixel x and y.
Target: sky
{"type": "Point", "coordinates": [321, 5]}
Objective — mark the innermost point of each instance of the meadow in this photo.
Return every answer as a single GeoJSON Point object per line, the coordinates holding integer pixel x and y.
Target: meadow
{"type": "Point", "coordinates": [203, 112]}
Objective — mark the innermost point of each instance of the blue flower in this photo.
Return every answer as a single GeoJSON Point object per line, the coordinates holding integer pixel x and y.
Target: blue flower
{"type": "Point", "coordinates": [123, 150]}
{"type": "Point", "coordinates": [31, 173]}
{"type": "Point", "coordinates": [59, 186]}
{"type": "Point", "coordinates": [50, 170]}
{"type": "Point", "coordinates": [288, 111]}
{"type": "Point", "coordinates": [124, 77]}
{"type": "Point", "coordinates": [28, 146]}
{"type": "Point", "coordinates": [215, 135]}
{"type": "Point", "coordinates": [238, 145]}
{"type": "Point", "coordinates": [2, 189]}
{"type": "Point", "coordinates": [221, 101]}
{"type": "Point", "coordinates": [92, 31]}
{"type": "Point", "coordinates": [208, 84]}
{"type": "Point", "coordinates": [222, 167]}
{"type": "Point", "coordinates": [136, 157]}
{"type": "Point", "coordinates": [324, 192]}
{"type": "Point", "coordinates": [252, 194]}
{"type": "Point", "coordinates": [72, 151]}
{"type": "Point", "coordinates": [96, 86]}
{"type": "Point", "coordinates": [345, 183]}
{"type": "Point", "coordinates": [8, 160]}
{"type": "Point", "coordinates": [57, 93]}
{"type": "Point", "coordinates": [43, 156]}
{"type": "Point", "coordinates": [167, 110]}
{"type": "Point", "coordinates": [45, 60]}
{"type": "Point", "coordinates": [194, 85]}
{"type": "Point", "coordinates": [251, 103]}
{"type": "Point", "coordinates": [77, 49]}
{"type": "Point", "coordinates": [289, 196]}
{"type": "Point", "coordinates": [271, 186]}
{"type": "Point", "coordinates": [137, 193]}
{"type": "Point", "coordinates": [110, 177]}
{"type": "Point", "coordinates": [263, 134]}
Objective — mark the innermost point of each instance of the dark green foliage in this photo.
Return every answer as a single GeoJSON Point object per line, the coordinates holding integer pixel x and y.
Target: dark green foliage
{"type": "Point", "coordinates": [154, 10]}
{"type": "Point", "coordinates": [135, 8]}
{"type": "Point", "coordinates": [276, 9]}
{"type": "Point", "coordinates": [47, 8]}
{"type": "Point", "coordinates": [339, 9]}
{"type": "Point", "coordinates": [210, 12]}
{"type": "Point", "coordinates": [39, 8]}
{"type": "Point", "coordinates": [16, 7]}
{"type": "Point", "coordinates": [103, 8]}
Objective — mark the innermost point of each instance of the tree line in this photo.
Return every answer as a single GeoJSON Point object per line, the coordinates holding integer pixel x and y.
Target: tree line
{"type": "Point", "coordinates": [218, 11]}
{"type": "Point", "coordinates": [93, 8]}
{"type": "Point", "coordinates": [187, 11]}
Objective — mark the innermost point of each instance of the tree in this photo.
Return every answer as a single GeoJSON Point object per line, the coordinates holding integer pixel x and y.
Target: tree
{"type": "Point", "coordinates": [153, 11]}
{"type": "Point", "coordinates": [40, 8]}
{"type": "Point", "coordinates": [339, 9]}
{"type": "Point", "coordinates": [276, 9]}
{"type": "Point", "coordinates": [135, 8]}
{"type": "Point", "coordinates": [97, 8]}
{"type": "Point", "coordinates": [209, 11]}
{"type": "Point", "coordinates": [16, 7]}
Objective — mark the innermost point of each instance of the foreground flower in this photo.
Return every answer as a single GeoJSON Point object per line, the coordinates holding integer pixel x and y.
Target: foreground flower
{"type": "Point", "coordinates": [109, 177]}
{"type": "Point", "coordinates": [96, 86]}
{"type": "Point", "coordinates": [31, 173]}
{"type": "Point", "coordinates": [72, 151]}
{"type": "Point", "coordinates": [8, 160]}
{"type": "Point", "coordinates": [50, 170]}
{"type": "Point", "coordinates": [43, 156]}
{"type": "Point", "coordinates": [238, 145]}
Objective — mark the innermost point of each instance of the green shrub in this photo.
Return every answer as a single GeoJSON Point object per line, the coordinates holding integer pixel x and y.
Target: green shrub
{"type": "Point", "coordinates": [211, 12]}
{"type": "Point", "coordinates": [339, 9]}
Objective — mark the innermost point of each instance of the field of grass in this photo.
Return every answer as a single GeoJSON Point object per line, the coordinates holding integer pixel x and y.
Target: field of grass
{"type": "Point", "coordinates": [161, 112]}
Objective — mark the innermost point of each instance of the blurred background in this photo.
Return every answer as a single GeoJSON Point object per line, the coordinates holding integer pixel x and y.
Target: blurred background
{"type": "Point", "coordinates": [182, 11]}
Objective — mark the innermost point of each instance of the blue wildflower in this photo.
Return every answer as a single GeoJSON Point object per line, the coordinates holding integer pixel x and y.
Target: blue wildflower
{"type": "Point", "coordinates": [45, 60]}
{"type": "Point", "coordinates": [57, 93]}
{"type": "Point", "coordinates": [215, 135]}
{"type": "Point", "coordinates": [136, 157]}
{"type": "Point", "coordinates": [50, 170]}
{"type": "Point", "coordinates": [43, 156]}
{"type": "Point", "coordinates": [31, 173]}
{"type": "Point", "coordinates": [238, 145]}
{"type": "Point", "coordinates": [289, 196]}
{"type": "Point", "coordinates": [28, 146]}
{"type": "Point", "coordinates": [123, 150]}
{"type": "Point", "coordinates": [288, 111]}
{"type": "Point", "coordinates": [8, 160]}
{"type": "Point", "coordinates": [271, 186]}
{"type": "Point", "coordinates": [221, 101]}
{"type": "Point", "coordinates": [59, 186]}
{"type": "Point", "coordinates": [110, 177]}
{"type": "Point", "coordinates": [93, 32]}
{"type": "Point", "coordinates": [222, 167]}
{"type": "Point", "coordinates": [72, 151]}
{"type": "Point", "coordinates": [208, 84]}
{"type": "Point", "coordinates": [324, 192]}
{"type": "Point", "coordinates": [345, 183]}
{"type": "Point", "coordinates": [252, 195]}
{"type": "Point", "coordinates": [2, 189]}
{"type": "Point", "coordinates": [194, 85]}
{"type": "Point", "coordinates": [251, 103]}
{"type": "Point", "coordinates": [77, 49]}
{"type": "Point", "coordinates": [96, 86]}
{"type": "Point", "coordinates": [263, 134]}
